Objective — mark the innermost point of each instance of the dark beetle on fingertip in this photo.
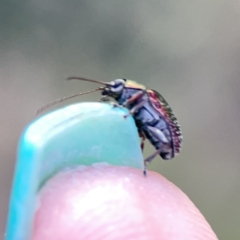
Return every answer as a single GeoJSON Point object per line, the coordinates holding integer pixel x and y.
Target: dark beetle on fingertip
{"type": "Point", "coordinates": [152, 114]}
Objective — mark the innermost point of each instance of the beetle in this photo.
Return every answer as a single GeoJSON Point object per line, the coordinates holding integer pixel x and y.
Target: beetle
{"type": "Point", "coordinates": [153, 116]}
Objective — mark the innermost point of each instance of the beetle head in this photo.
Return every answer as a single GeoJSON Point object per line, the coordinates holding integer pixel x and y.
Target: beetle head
{"type": "Point", "coordinates": [114, 89]}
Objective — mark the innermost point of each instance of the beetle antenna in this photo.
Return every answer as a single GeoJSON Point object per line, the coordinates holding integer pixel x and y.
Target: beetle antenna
{"type": "Point", "coordinates": [88, 80]}
{"type": "Point", "coordinates": [43, 108]}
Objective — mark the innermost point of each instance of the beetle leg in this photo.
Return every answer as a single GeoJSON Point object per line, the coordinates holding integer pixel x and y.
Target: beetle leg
{"type": "Point", "coordinates": [151, 157]}
{"type": "Point", "coordinates": [145, 169]}
{"type": "Point", "coordinates": [104, 99]}
{"type": "Point", "coordinates": [133, 98]}
{"type": "Point", "coordinates": [114, 105]}
{"type": "Point", "coordinates": [142, 136]}
{"type": "Point", "coordinates": [135, 109]}
{"type": "Point", "coordinates": [159, 135]}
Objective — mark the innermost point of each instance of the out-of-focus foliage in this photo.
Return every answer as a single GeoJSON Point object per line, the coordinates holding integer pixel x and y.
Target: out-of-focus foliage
{"type": "Point", "coordinates": [187, 50]}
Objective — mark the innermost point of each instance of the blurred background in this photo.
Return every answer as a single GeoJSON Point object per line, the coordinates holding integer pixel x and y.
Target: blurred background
{"type": "Point", "coordinates": [189, 51]}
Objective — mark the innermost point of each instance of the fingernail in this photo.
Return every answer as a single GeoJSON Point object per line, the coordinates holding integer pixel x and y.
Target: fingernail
{"type": "Point", "coordinates": [79, 134]}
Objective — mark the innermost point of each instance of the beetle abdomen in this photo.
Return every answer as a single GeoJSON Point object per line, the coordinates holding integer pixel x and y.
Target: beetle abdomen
{"type": "Point", "coordinates": [163, 108]}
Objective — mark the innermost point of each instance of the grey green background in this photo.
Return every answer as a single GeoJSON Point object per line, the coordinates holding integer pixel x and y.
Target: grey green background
{"type": "Point", "coordinates": [187, 50]}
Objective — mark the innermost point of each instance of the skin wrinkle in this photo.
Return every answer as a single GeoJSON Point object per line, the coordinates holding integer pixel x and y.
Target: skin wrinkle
{"type": "Point", "coordinates": [110, 202]}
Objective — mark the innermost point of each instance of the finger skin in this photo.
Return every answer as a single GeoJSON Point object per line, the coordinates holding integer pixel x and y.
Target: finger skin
{"type": "Point", "coordinates": [112, 202]}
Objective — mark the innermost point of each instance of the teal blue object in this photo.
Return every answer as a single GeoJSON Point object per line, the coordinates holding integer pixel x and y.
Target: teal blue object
{"type": "Point", "coordinates": [79, 134]}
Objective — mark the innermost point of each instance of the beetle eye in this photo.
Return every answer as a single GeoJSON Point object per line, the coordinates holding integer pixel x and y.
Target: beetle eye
{"type": "Point", "coordinates": [118, 85]}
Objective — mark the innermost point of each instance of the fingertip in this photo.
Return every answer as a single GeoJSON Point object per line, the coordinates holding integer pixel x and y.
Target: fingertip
{"type": "Point", "coordinates": [110, 202]}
